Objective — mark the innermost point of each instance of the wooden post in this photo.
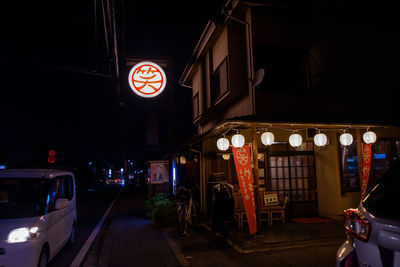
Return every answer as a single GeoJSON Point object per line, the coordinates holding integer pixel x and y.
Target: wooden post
{"type": "Point", "coordinates": [359, 154]}
{"type": "Point", "coordinates": [256, 178]}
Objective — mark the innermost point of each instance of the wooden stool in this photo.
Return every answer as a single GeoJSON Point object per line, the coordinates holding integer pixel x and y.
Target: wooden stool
{"type": "Point", "coordinates": [280, 217]}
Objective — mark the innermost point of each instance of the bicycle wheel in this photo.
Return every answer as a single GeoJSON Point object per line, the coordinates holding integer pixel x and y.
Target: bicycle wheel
{"type": "Point", "coordinates": [182, 220]}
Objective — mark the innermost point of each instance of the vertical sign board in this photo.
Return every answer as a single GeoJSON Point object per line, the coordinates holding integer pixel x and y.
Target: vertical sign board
{"type": "Point", "coordinates": [243, 169]}
{"type": "Point", "coordinates": [366, 166]}
{"type": "Point", "coordinates": [159, 172]}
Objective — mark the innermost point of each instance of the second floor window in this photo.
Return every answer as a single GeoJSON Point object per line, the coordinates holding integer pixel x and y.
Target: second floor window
{"type": "Point", "coordinates": [219, 81]}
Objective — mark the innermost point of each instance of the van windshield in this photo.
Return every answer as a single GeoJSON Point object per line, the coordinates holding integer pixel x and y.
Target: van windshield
{"type": "Point", "coordinates": [23, 197]}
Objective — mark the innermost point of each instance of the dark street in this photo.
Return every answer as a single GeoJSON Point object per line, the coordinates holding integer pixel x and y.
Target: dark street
{"type": "Point", "coordinates": [91, 206]}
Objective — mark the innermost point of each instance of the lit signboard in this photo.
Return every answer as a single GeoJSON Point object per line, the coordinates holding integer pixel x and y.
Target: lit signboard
{"type": "Point", "coordinates": [147, 79]}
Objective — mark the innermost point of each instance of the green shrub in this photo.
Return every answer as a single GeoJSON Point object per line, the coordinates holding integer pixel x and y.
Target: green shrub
{"type": "Point", "coordinates": [161, 210]}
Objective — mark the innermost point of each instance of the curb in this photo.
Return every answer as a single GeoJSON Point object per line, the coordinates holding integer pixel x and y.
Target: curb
{"type": "Point", "coordinates": [180, 257]}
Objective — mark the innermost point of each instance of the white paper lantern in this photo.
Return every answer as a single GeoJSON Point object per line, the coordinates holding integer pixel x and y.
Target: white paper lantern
{"type": "Point", "coordinates": [237, 140]}
{"type": "Point", "coordinates": [320, 139]}
{"type": "Point", "coordinates": [369, 137]}
{"type": "Point", "coordinates": [346, 139]}
{"type": "Point", "coordinates": [226, 156]}
{"type": "Point", "coordinates": [295, 140]}
{"type": "Point", "coordinates": [223, 143]}
{"type": "Point", "coordinates": [267, 138]}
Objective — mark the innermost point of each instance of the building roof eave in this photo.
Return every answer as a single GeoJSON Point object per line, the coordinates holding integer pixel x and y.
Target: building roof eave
{"type": "Point", "coordinates": [199, 48]}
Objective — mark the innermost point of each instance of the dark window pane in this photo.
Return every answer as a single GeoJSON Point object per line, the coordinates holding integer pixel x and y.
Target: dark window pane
{"type": "Point", "coordinates": [219, 81]}
{"type": "Point", "coordinates": [349, 162]}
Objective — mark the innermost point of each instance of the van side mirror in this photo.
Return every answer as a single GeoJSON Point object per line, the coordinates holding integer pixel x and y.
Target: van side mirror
{"type": "Point", "coordinates": [61, 203]}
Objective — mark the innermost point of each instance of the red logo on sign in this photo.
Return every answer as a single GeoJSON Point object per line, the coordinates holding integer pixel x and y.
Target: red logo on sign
{"type": "Point", "coordinates": [242, 156]}
{"type": "Point", "coordinates": [147, 79]}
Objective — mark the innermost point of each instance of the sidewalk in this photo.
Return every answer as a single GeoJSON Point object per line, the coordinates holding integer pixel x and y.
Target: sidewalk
{"type": "Point", "coordinates": [288, 235]}
{"type": "Point", "coordinates": [292, 244]}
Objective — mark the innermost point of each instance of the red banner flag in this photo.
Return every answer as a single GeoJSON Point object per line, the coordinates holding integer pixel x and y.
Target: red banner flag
{"type": "Point", "coordinates": [243, 170]}
{"type": "Point", "coordinates": [366, 166]}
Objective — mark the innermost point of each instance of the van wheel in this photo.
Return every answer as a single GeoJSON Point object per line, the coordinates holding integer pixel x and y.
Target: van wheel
{"type": "Point", "coordinates": [72, 237]}
{"type": "Point", "coordinates": [43, 259]}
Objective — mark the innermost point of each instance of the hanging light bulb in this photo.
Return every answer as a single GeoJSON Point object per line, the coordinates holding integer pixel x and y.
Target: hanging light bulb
{"type": "Point", "coordinates": [237, 140]}
{"type": "Point", "coordinates": [369, 137]}
{"type": "Point", "coordinates": [320, 139]}
{"type": "Point", "coordinates": [226, 156]}
{"type": "Point", "coordinates": [182, 160]}
{"type": "Point", "coordinates": [346, 139]}
{"type": "Point", "coordinates": [295, 140]}
{"type": "Point", "coordinates": [267, 138]}
{"type": "Point", "coordinates": [223, 143]}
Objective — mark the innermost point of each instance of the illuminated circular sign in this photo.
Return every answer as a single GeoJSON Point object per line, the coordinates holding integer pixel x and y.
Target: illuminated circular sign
{"type": "Point", "coordinates": [147, 79]}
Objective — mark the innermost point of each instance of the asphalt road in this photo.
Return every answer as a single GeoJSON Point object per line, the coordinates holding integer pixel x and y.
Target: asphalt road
{"type": "Point", "coordinates": [91, 205]}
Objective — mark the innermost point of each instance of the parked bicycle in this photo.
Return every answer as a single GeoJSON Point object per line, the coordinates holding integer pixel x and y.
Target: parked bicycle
{"type": "Point", "coordinates": [187, 209]}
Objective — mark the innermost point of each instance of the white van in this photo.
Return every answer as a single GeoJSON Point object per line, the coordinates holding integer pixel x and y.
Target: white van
{"type": "Point", "coordinates": [37, 215]}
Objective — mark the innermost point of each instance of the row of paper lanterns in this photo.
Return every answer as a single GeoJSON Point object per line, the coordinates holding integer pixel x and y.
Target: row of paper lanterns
{"type": "Point", "coordinates": [295, 140]}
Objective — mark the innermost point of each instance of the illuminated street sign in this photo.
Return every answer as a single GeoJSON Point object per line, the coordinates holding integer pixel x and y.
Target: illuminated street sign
{"type": "Point", "coordinates": [51, 158]}
{"type": "Point", "coordinates": [147, 79]}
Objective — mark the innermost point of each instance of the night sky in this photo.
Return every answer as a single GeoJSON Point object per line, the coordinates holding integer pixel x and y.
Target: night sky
{"type": "Point", "coordinates": [53, 91]}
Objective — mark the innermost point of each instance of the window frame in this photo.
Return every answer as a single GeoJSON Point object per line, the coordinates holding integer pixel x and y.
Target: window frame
{"type": "Point", "coordinates": [196, 100]}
